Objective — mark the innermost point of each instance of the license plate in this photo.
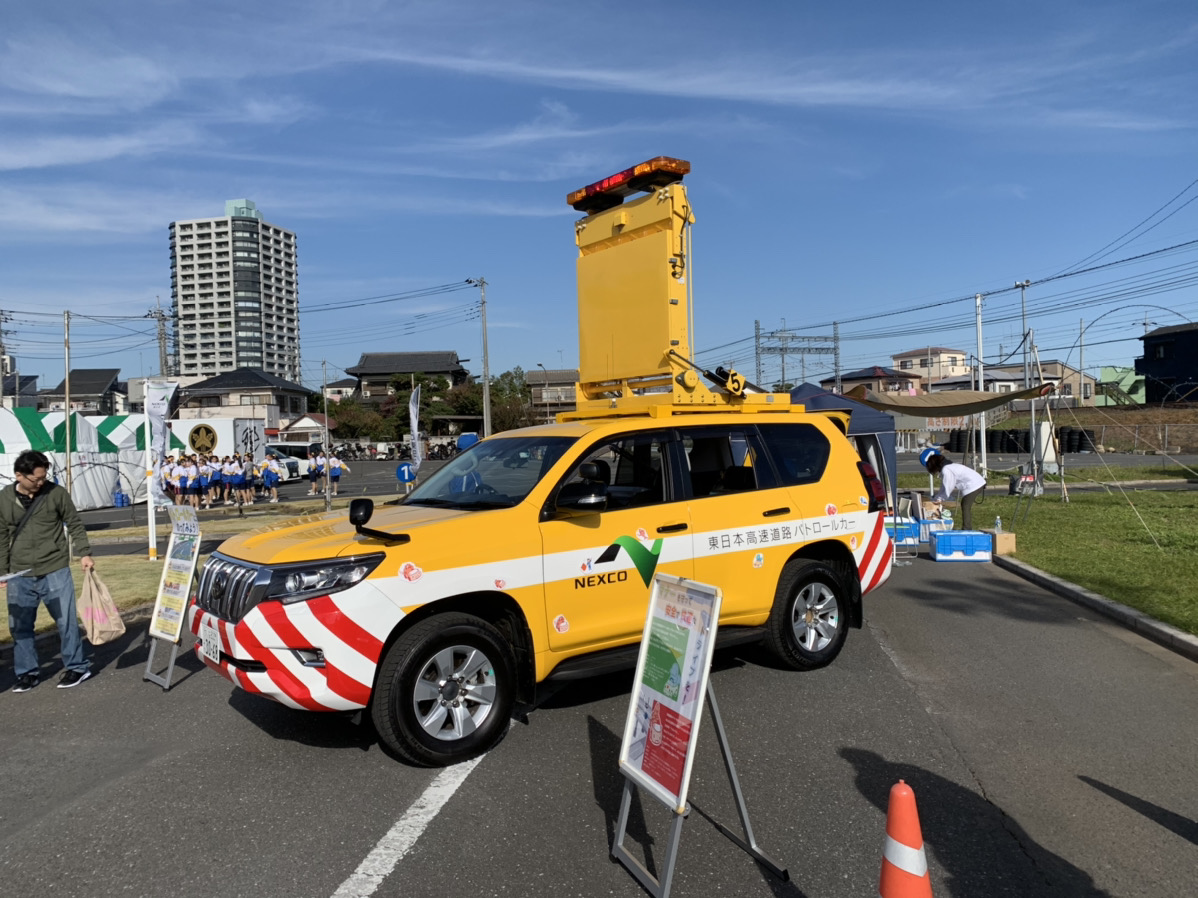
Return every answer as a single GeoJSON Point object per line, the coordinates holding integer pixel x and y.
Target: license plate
{"type": "Point", "coordinates": [210, 642]}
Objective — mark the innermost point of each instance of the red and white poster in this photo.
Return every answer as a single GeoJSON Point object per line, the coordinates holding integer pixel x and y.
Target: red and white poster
{"type": "Point", "coordinates": [671, 682]}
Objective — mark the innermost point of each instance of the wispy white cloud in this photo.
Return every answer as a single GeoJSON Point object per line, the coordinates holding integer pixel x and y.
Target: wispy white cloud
{"type": "Point", "coordinates": [42, 151]}
{"type": "Point", "coordinates": [56, 66]}
{"type": "Point", "coordinates": [108, 212]}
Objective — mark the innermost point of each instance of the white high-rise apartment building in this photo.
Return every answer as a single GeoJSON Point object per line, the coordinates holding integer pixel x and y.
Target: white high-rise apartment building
{"type": "Point", "coordinates": [234, 295]}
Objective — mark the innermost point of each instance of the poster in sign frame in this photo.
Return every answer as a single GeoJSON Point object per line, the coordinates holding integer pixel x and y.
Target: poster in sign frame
{"type": "Point", "coordinates": [662, 728]}
{"type": "Point", "coordinates": [170, 606]}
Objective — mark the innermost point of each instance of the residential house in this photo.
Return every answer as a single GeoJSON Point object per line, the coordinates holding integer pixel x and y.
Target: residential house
{"type": "Point", "coordinates": [376, 370]}
{"type": "Point", "coordinates": [1170, 364]}
{"type": "Point", "coordinates": [18, 390]}
{"type": "Point", "coordinates": [877, 379]}
{"type": "Point", "coordinates": [1074, 388]}
{"type": "Point", "coordinates": [553, 391]}
{"type": "Point", "coordinates": [1119, 386]}
{"type": "Point", "coordinates": [933, 363]}
{"type": "Point", "coordinates": [245, 393]}
{"type": "Point", "coordinates": [340, 389]}
{"type": "Point", "coordinates": [94, 391]}
{"type": "Point", "coordinates": [308, 428]}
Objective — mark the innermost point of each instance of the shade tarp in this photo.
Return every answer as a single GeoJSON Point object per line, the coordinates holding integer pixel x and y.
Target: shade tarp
{"type": "Point", "coordinates": [95, 463]}
{"type": "Point", "coordinates": [946, 403]}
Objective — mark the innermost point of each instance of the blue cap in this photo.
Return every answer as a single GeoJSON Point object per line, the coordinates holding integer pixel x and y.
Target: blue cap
{"type": "Point", "coordinates": [926, 454]}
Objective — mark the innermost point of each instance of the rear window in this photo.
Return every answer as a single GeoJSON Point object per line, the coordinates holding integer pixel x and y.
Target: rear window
{"type": "Point", "coordinates": [800, 451]}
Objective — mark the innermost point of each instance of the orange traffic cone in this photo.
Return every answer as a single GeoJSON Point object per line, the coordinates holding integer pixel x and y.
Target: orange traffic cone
{"type": "Point", "coordinates": [904, 864]}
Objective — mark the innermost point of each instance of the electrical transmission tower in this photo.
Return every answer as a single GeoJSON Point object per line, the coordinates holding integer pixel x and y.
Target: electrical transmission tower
{"type": "Point", "coordinates": [785, 342]}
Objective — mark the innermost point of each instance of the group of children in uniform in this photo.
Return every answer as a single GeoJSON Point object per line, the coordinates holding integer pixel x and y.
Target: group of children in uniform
{"type": "Point", "coordinates": [320, 467]}
{"type": "Point", "coordinates": [203, 481]}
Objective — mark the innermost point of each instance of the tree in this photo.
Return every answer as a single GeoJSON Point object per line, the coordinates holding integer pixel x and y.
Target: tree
{"type": "Point", "coordinates": [511, 399]}
{"type": "Point", "coordinates": [356, 420]}
{"type": "Point", "coordinates": [432, 402]}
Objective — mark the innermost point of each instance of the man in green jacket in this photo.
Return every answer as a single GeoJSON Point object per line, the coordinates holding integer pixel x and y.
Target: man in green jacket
{"type": "Point", "coordinates": [37, 553]}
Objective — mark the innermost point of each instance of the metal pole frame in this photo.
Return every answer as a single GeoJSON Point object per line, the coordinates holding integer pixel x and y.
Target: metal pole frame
{"type": "Point", "coordinates": [660, 888]}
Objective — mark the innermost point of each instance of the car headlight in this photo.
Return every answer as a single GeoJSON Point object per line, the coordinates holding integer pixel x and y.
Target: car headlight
{"type": "Point", "coordinates": [296, 582]}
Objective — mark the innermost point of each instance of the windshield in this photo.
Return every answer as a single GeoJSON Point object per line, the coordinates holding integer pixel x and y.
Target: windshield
{"type": "Point", "coordinates": [496, 473]}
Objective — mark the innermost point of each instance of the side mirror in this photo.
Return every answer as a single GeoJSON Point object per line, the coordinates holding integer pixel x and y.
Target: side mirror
{"type": "Point", "coordinates": [585, 497]}
{"type": "Point", "coordinates": [360, 511]}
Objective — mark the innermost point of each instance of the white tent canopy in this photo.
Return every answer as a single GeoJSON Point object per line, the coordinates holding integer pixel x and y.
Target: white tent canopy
{"type": "Point", "coordinates": [94, 459]}
{"type": "Point", "coordinates": [128, 434]}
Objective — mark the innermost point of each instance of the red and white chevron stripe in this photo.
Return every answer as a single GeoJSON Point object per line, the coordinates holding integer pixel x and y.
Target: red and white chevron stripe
{"type": "Point", "coordinates": [340, 626]}
{"type": "Point", "coordinates": [874, 561]}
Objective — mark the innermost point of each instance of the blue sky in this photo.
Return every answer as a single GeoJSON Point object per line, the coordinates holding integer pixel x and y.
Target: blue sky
{"type": "Point", "coordinates": [875, 164]}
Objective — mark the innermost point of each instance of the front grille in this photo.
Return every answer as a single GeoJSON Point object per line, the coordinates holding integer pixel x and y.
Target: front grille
{"type": "Point", "coordinates": [229, 589]}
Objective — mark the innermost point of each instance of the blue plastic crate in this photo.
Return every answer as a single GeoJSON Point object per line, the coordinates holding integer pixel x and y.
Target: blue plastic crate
{"type": "Point", "coordinates": [961, 545]}
{"type": "Point", "coordinates": [904, 531]}
{"type": "Point", "coordinates": [928, 526]}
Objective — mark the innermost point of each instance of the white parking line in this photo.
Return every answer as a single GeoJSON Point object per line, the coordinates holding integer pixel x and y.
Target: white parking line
{"type": "Point", "coordinates": [403, 835]}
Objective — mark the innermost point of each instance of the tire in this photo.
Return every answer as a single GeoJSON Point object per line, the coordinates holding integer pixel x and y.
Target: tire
{"type": "Point", "coordinates": [810, 617]}
{"type": "Point", "coordinates": [445, 691]}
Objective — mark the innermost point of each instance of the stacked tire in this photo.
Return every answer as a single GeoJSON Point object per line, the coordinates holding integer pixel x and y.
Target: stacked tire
{"type": "Point", "coordinates": [1076, 439]}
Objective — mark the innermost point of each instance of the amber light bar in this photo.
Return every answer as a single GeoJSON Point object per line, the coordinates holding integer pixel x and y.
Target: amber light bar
{"type": "Point", "coordinates": [611, 190]}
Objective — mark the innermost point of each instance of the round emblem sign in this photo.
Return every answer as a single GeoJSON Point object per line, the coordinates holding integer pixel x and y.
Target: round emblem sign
{"type": "Point", "coordinates": [202, 439]}
{"type": "Point", "coordinates": [406, 473]}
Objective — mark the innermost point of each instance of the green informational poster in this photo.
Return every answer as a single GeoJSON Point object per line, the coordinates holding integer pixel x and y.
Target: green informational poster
{"type": "Point", "coordinates": [170, 607]}
{"type": "Point", "coordinates": [671, 682]}
{"type": "Point", "coordinates": [664, 657]}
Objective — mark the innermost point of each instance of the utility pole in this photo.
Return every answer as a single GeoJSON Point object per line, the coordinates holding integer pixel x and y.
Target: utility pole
{"type": "Point", "coordinates": [757, 347]}
{"type": "Point", "coordinates": [17, 390]}
{"type": "Point", "coordinates": [544, 389]}
{"type": "Point", "coordinates": [836, 357]}
{"type": "Point", "coordinates": [159, 318]}
{"type": "Point", "coordinates": [1027, 375]}
{"type": "Point", "coordinates": [324, 392]}
{"type": "Point", "coordinates": [1081, 363]}
{"type": "Point", "coordinates": [66, 355]}
{"type": "Point", "coordinates": [481, 283]}
{"type": "Point", "coordinates": [981, 386]}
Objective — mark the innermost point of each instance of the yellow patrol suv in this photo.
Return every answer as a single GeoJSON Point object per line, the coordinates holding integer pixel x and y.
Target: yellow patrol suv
{"type": "Point", "coordinates": [529, 557]}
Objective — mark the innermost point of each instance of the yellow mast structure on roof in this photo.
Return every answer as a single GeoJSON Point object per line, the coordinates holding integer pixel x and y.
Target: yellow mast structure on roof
{"type": "Point", "coordinates": [634, 261]}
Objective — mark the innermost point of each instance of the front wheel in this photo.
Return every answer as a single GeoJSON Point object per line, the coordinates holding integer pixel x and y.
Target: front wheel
{"type": "Point", "coordinates": [445, 691]}
{"type": "Point", "coordinates": [809, 620]}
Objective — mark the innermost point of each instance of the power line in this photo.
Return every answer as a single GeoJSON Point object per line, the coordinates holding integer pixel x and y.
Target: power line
{"type": "Point", "coordinates": [1112, 247]}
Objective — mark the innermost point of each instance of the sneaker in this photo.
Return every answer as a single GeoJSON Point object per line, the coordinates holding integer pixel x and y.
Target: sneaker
{"type": "Point", "coordinates": [272, 501]}
{"type": "Point", "coordinates": [73, 678]}
{"type": "Point", "coordinates": [25, 682]}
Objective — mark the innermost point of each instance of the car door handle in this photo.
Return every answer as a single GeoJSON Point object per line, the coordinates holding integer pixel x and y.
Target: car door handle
{"type": "Point", "coordinates": [774, 512]}
{"type": "Point", "coordinates": [671, 528]}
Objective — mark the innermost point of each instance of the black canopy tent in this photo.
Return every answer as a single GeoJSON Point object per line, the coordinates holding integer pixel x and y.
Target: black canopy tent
{"type": "Point", "coordinates": [871, 430]}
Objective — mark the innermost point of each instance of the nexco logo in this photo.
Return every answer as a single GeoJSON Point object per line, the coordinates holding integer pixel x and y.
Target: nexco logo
{"type": "Point", "coordinates": [644, 559]}
{"type": "Point", "coordinates": [600, 579]}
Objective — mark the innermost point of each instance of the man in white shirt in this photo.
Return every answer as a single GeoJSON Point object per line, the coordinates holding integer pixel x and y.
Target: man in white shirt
{"type": "Point", "coordinates": [955, 478]}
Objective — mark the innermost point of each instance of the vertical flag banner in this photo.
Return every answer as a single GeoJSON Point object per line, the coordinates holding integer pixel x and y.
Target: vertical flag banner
{"type": "Point", "coordinates": [158, 404]}
{"type": "Point", "coordinates": [414, 414]}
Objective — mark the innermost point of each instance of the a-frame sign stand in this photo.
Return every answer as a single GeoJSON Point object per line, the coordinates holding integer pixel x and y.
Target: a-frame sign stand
{"type": "Point", "coordinates": [163, 679]}
{"type": "Point", "coordinates": [170, 606]}
{"type": "Point", "coordinates": [660, 888]}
